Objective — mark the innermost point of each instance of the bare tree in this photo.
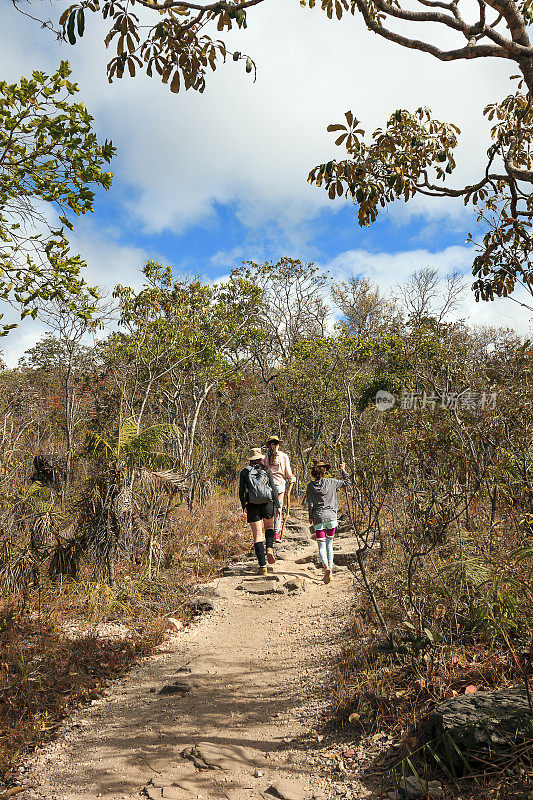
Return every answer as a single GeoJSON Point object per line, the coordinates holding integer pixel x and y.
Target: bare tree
{"type": "Point", "coordinates": [65, 354]}
{"type": "Point", "coordinates": [425, 295]}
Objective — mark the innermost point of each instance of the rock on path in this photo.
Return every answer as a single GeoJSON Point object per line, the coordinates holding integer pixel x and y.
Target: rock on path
{"type": "Point", "coordinates": [222, 711]}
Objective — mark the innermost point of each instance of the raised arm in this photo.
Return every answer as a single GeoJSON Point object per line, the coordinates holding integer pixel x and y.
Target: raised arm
{"type": "Point", "coordinates": [345, 480]}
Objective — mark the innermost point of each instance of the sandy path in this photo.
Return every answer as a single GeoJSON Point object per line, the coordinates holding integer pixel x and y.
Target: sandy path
{"type": "Point", "coordinates": [248, 678]}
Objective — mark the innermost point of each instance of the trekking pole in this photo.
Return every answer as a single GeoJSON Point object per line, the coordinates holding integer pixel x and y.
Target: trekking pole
{"type": "Point", "coordinates": [282, 531]}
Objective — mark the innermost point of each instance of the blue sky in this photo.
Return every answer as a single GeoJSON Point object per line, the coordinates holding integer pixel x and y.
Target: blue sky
{"type": "Point", "coordinates": [207, 181]}
{"type": "Point", "coordinates": [332, 230]}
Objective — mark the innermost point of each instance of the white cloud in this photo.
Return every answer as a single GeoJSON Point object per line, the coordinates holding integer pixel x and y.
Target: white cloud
{"type": "Point", "coordinates": [254, 144]}
{"type": "Point", "coordinates": [387, 270]}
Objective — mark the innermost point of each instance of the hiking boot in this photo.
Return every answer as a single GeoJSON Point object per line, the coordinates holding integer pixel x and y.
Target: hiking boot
{"type": "Point", "coordinates": [271, 558]}
{"type": "Point", "coordinates": [262, 571]}
{"type": "Point", "coordinates": [277, 537]}
{"type": "Point", "coordinates": [327, 575]}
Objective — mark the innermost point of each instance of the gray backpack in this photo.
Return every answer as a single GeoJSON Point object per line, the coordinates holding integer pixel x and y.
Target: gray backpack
{"type": "Point", "coordinates": [258, 486]}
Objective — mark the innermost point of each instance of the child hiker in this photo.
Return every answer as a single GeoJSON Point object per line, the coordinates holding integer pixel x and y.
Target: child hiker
{"type": "Point", "coordinates": [259, 501]}
{"type": "Point", "coordinates": [280, 466]}
{"type": "Point", "coordinates": [322, 503]}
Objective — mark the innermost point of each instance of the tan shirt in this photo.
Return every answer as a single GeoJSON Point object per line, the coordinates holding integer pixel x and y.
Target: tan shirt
{"type": "Point", "coordinates": [280, 467]}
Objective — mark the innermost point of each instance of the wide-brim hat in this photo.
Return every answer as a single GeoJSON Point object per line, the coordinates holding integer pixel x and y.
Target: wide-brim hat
{"type": "Point", "coordinates": [255, 454]}
{"type": "Point", "coordinates": [317, 462]}
{"type": "Point", "coordinates": [273, 439]}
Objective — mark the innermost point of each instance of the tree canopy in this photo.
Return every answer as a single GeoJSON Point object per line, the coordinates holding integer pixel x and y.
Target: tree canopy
{"type": "Point", "coordinates": [413, 153]}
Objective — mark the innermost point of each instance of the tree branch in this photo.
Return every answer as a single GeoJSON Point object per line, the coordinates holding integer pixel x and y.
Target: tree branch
{"type": "Point", "coordinates": [468, 52]}
{"type": "Point", "coordinates": [218, 6]}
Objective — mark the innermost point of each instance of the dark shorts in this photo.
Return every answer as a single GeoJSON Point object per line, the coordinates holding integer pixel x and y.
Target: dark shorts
{"type": "Point", "coordinates": [255, 512]}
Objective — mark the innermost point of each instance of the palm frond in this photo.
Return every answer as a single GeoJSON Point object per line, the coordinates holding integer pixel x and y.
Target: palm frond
{"type": "Point", "coordinates": [169, 479]}
{"type": "Point", "coordinates": [126, 434]}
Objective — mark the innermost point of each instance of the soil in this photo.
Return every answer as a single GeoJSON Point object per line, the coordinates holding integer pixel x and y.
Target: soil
{"type": "Point", "coordinates": [228, 707]}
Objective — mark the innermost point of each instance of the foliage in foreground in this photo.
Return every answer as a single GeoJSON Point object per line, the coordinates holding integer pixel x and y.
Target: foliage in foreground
{"type": "Point", "coordinates": [49, 154]}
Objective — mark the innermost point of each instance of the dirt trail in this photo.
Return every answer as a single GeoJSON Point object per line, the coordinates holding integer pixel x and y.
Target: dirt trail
{"type": "Point", "coordinates": [240, 691]}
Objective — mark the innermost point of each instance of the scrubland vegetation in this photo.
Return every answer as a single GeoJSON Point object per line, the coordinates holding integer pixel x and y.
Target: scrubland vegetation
{"type": "Point", "coordinates": [143, 434]}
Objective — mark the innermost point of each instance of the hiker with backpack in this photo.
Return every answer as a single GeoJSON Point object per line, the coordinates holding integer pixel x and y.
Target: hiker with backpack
{"type": "Point", "coordinates": [322, 503]}
{"type": "Point", "coordinates": [259, 501]}
{"type": "Point", "coordinates": [280, 466]}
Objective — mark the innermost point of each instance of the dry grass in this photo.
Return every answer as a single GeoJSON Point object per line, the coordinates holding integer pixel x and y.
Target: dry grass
{"type": "Point", "coordinates": [478, 628]}
{"type": "Point", "coordinates": [43, 674]}
{"type": "Point", "coordinates": [390, 693]}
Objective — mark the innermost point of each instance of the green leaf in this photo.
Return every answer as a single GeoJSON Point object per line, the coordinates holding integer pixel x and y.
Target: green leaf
{"type": "Point", "coordinates": [81, 22]}
{"type": "Point", "coordinates": [70, 28]}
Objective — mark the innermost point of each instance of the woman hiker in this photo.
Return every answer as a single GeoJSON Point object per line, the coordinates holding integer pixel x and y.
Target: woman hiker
{"type": "Point", "coordinates": [259, 501]}
{"type": "Point", "coordinates": [322, 503]}
{"type": "Point", "coordinates": [280, 466]}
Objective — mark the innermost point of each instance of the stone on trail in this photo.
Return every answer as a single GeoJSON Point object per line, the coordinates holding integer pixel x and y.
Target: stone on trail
{"type": "Point", "coordinates": [153, 792]}
{"type": "Point", "coordinates": [214, 590]}
{"type": "Point", "coordinates": [158, 788]}
{"type": "Point", "coordinates": [305, 559]}
{"type": "Point", "coordinates": [483, 724]}
{"type": "Point", "coordinates": [261, 587]}
{"type": "Point", "coordinates": [228, 758]}
{"type": "Point", "coordinates": [294, 583]}
{"type": "Point", "coordinates": [199, 605]}
{"type": "Point", "coordinates": [178, 687]}
{"type": "Point", "coordinates": [238, 570]}
{"type": "Point", "coordinates": [284, 789]}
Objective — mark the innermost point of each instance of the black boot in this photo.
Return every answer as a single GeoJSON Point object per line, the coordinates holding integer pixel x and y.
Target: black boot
{"type": "Point", "coordinates": [269, 538]}
{"type": "Point", "coordinates": [259, 548]}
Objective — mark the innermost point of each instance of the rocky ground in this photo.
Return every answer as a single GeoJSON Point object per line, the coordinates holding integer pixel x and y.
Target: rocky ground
{"type": "Point", "coordinates": [228, 708]}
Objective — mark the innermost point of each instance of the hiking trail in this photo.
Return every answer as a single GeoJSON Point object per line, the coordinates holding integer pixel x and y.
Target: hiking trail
{"type": "Point", "coordinates": [226, 708]}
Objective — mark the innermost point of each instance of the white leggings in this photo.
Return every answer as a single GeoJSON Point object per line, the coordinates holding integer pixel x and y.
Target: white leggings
{"type": "Point", "coordinates": [325, 551]}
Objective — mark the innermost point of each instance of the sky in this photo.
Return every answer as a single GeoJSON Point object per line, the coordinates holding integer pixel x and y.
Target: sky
{"type": "Point", "coordinates": [206, 181]}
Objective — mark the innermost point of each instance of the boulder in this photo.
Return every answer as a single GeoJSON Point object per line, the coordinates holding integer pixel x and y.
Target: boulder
{"type": "Point", "coordinates": [485, 724]}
